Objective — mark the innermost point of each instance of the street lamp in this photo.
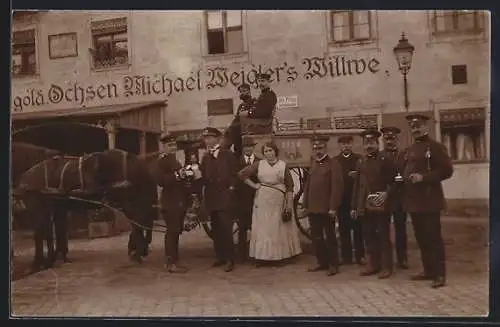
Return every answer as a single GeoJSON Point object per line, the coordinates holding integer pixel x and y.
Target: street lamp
{"type": "Point", "coordinates": [404, 54]}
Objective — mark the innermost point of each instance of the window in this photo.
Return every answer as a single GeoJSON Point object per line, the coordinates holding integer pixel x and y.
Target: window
{"type": "Point", "coordinates": [459, 74]}
{"type": "Point", "coordinates": [23, 53]}
{"type": "Point", "coordinates": [319, 123]}
{"type": "Point", "coordinates": [462, 132]}
{"type": "Point", "coordinates": [220, 107]}
{"type": "Point", "coordinates": [224, 31]}
{"type": "Point", "coordinates": [446, 21]}
{"type": "Point", "coordinates": [110, 41]}
{"type": "Point", "coordinates": [351, 25]}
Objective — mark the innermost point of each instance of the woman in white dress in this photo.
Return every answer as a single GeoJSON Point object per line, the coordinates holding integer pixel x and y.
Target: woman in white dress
{"type": "Point", "coordinates": [272, 237]}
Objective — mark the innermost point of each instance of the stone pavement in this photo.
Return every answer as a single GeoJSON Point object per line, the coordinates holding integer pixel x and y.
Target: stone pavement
{"type": "Point", "coordinates": [102, 282]}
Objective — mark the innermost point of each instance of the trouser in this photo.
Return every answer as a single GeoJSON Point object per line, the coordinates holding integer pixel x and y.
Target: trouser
{"type": "Point", "coordinates": [376, 230]}
{"type": "Point", "coordinates": [233, 137]}
{"type": "Point", "coordinates": [222, 230]}
{"type": "Point", "coordinates": [60, 215]}
{"type": "Point", "coordinates": [347, 227]}
{"type": "Point", "coordinates": [324, 239]}
{"type": "Point", "coordinates": [401, 238]}
{"type": "Point", "coordinates": [137, 243]}
{"type": "Point", "coordinates": [174, 221]}
{"type": "Point", "coordinates": [244, 223]}
{"type": "Point", "coordinates": [427, 228]}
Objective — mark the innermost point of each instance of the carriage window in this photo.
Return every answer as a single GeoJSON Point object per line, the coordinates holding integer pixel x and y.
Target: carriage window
{"type": "Point", "coordinates": [24, 53]}
{"type": "Point", "coordinates": [220, 107]}
{"type": "Point", "coordinates": [110, 42]}
{"type": "Point", "coordinates": [224, 31]}
{"type": "Point", "coordinates": [350, 25]}
{"type": "Point", "coordinates": [463, 134]}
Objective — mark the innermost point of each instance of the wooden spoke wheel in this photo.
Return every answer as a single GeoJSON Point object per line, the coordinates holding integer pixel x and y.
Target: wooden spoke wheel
{"type": "Point", "coordinates": [301, 218]}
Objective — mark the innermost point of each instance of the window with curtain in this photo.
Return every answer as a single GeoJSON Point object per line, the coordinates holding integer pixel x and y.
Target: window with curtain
{"type": "Point", "coordinates": [350, 25]}
{"type": "Point", "coordinates": [110, 41]}
{"type": "Point", "coordinates": [463, 134]}
{"type": "Point", "coordinates": [224, 31]}
{"type": "Point", "coordinates": [23, 53]}
{"type": "Point", "coordinates": [456, 21]}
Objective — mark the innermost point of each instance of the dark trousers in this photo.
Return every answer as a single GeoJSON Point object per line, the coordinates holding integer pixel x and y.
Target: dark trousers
{"type": "Point", "coordinates": [222, 231]}
{"type": "Point", "coordinates": [324, 240]}
{"type": "Point", "coordinates": [401, 238]}
{"type": "Point", "coordinates": [137, 243]}
{"type": "Point", "coordinates": [60, 216]}
{"type": "Point", "coordinates": [174, 221]}
{"type": "Point", "coordinates": [348, 227]}
{"type": "Point", "coordinates": [376, 230]}
{"type": "Point", "coordinates": [427, 228]}
{"type": "Point", "coordinates": [244, 223]}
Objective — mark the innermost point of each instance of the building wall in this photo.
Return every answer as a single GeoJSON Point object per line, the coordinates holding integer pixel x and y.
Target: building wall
{"type": "Point", "coordinates": [171, 47]}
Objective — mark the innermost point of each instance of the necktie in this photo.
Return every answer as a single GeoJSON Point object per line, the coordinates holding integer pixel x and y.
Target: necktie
{"type": "Point", "coordinates": [248, 160]}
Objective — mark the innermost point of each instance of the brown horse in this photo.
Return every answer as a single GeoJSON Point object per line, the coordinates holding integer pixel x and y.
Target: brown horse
{"type": "Point", "coordinates": [126, 181]}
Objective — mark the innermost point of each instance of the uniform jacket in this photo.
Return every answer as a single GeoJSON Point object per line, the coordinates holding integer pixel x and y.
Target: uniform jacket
{"type": "Point", "coordinates": [324, 186]}
{"type": "Point", "coordinates": [219, 179]}
{"type": "Point", "coordinates": [430, 159]}
{"type": "Point", "coordinates": [374, 174]}
{"type": "Point", "coordinates": [244, 193]}
{"type": "Point", "coordinates": [265, 104]}
{"type": "Point", "coordinates": [348, 164]}
{"type": "Point", "coordinates": [174, 193]}
{"type": "Point", "coordinates": [397, 157]}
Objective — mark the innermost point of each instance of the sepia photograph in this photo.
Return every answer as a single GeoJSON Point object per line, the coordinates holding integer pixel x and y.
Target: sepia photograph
{"type": "Point", "coordinates": [250, 163]}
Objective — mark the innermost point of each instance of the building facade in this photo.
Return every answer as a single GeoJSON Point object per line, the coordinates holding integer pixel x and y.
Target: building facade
{"type": "Point", "coordinates": [330, 69]}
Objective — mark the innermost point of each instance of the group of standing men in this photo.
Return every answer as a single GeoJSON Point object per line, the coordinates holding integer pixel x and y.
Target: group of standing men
{"type": "Point", "coordinates": [364, 191]}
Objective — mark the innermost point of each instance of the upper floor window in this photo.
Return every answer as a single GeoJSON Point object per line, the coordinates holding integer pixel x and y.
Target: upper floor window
{"type": "Point", "coordinates": [350, 25]}
{"type": "Point", "coordinates": [224, 31]}
{"type": "Point", "coordinates": [456, 21]}
{"type": "Point", "coordinates": [220, 107]}
{"type": "Point", "coordinates": [24, 53]}
{"type": "Point", "coordinates": [110, 43]}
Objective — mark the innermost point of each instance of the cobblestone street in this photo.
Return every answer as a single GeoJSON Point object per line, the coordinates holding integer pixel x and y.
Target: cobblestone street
{"type": "Point", "coordinates": [102, 282]}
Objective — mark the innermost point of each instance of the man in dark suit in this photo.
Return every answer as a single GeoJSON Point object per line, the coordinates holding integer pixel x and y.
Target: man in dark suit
{"type": "Point", "coordinates": [219, 177]}
{"type": "Point", "coordinates": [322, 197]}
{"type": "Point", "coordinates": [391, 152]}
{"type": "Point", "coordinates": [347, 225]}
{"type": "Point", "coordinates": [244, 198]}
{"type": "Point", "coordinates": [371, 204]}
{"type": "Point", "coordinates": [169, 175]}
{"type": "Point", "coordinates": [426, 165]}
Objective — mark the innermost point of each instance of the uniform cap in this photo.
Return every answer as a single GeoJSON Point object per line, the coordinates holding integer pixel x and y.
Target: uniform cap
{"type": "Point", "coordinates": [417, 117]}
{"type": "Point", "coordinates": [370, 134]}
{"type": "Point", "coordinates": [248, 141]}
{"type": "Point", "coordinates": [264, 76]}
{"type": "Point", "coordinates": [211, 131]}
{"type": "Point", "coordinates": [243, 87]}
{"type": "Point", "coordinates": [345, 138]}
{"type": "Point", "coordinates": [167, 138]}
{"type": "Point", "coordinates": [320, 138]}
{"type": "Point", "coordinates": [390, 132]}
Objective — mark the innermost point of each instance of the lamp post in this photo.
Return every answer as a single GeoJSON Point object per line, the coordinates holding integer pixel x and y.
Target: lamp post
{"type": "Point", "coordinates": [404, 55]}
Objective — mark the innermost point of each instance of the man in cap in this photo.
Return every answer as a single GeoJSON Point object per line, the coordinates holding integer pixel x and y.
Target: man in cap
{"type": "Point", "coordinates": [266, 102]}
{"type": "Point", "coordinates": [219, 177]}
{"type": "Point", "coordinates": [391, 152]}
{"type": "Point", "coordinates": [348, 226]}
{"type": "Point", "coordinates": [370, 204]}
{"type": "Point", "coordinates": [426, 165]}
{"type": "Point", "coordinates": [244, 197]}
{"type": "Point", "coordinates": [322, 197]}
{"type": "Point", "coordinates": [174, 200]}
{"type": "Point", "coordinates": [233, 133]}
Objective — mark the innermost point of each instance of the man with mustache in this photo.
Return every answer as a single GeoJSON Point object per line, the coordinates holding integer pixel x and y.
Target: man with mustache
{"type": "Point", "coordinates": [370, 204]}
{"type": "Point", "coordinates": [426, 165]}
{"type": "Point", "coordinates": [322, 196]}
{"type": "Point", "coordinates": [391, 152]}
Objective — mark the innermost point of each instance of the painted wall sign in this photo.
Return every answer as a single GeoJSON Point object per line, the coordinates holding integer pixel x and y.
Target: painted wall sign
{"type": "Point", "coordinates": [288, 101]}
{"type": "Point", "coordinates": [76, 94]}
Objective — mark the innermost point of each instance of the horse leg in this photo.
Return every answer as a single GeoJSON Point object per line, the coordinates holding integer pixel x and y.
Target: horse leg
{"type": "Point", "coordinates": [38, 232]}
{"type": "Point", "coordinates": [49, 238]}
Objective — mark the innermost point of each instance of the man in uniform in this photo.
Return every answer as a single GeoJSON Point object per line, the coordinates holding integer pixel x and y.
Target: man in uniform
{"type": "Point", "coordinates": [347, 225]}
{"type": "Point", "coordinates": [391, 152]}
{"type": "Point", "coordinates": [244, 197]}
{"type": "Point", "coordinates": [322, 197]}
{"type": "Point", "coordinates": [370, 204]}
{"type": "Point", "coordinates": [426, 165]}
{"type": "Point", "coordinates": [174, 199]}
{"type": "Point", "coordinates": [219, 168]}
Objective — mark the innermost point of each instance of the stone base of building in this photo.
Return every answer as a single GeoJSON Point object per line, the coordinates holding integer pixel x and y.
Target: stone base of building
{"type": "Point", "coordinates": [468, 207]}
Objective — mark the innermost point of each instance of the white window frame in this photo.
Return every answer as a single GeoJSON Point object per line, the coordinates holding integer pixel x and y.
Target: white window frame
{"type": "Point", "coordinates": [92, 45]}
{"type": "Point", "coordinates": [36, 75]}
{"type": "Point", "coordinates": [479, 35]}
{"type": "Point", "coordinates": [217, 56]}
{"type": "Point", "coordinates": [373, 38]}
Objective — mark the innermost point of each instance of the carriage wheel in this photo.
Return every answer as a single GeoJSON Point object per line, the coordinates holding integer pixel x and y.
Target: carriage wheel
{"type": "Point", "coordinates": [301, 219]}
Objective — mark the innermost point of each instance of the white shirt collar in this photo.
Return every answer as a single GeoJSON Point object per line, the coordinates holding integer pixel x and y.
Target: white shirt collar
{"type": "Point", "coordinates": [215, 150]}
{"type": "Point", "coordinates": [346, 156]}
{"type": "Point", "coordinates": [251, 157]}
{"type": "Point", "coordinates": [322, 158]}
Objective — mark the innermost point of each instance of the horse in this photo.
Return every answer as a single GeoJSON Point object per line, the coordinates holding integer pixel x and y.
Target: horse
{"type": "Point", "coordinates": [125, 180]}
